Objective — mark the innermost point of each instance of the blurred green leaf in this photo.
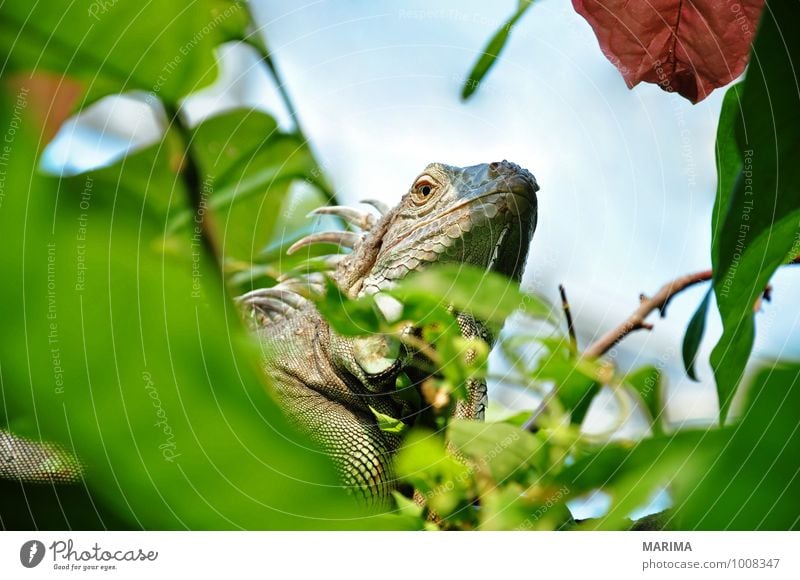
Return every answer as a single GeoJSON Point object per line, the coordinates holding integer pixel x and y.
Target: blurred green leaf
{"type": "Point", "coordinates": [647, 382]}
{"type": "Point", "coordinates": [346, 316]}
{"type": "Point", "coordinates": [576, 380]}
{"type": "Point", "coordinates": [443, 481]}
{"type": "Point", "coordinates": [166, 49]}
{"type": "Point", "coordinates": [694, 336]}
{"type": "Point", "coordinates": [408, 514]}
{"type": "Point", "coordinates": [491, 51]}
{"type": "Point", "coordinates": [233, 18]}
{"type": "Point", "coordinates": [507, 451]}
{"type": "Point", "coordinates": [405, 506]}
{"type": "Point", "coordinates": [758, 224]}
{"type": "Point", "coordinates": [753, 483]}
{"type": "Point", "coordinates": [488, 296]}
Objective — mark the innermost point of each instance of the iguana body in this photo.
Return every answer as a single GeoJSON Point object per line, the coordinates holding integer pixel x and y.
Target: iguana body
{"type": "Point", "coordinates": [483, 215]}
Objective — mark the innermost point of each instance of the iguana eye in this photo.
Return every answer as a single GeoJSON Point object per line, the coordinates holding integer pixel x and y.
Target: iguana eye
{"type": "Point", "coordinates": [422, 190]}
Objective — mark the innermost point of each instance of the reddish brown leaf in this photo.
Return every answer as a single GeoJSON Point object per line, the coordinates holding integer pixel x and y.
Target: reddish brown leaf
{"type": "Point", "coordinates": [687, 46]}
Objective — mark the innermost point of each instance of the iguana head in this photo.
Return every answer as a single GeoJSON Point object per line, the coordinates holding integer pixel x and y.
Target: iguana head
{"type": "Point", "coordinates": [482, 215]}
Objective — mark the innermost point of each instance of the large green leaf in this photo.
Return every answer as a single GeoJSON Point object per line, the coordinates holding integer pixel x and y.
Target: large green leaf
{"type": "Point", "coordinates": [164, 48]}
{"type": "Point", "coordinates": [759, 225]}
{"type": "Point", "coordinates": [124, 354]}
{"type": "Point", "coordinates": [492, 50]}
{"type": "Point", "coordinates": [754, 482]}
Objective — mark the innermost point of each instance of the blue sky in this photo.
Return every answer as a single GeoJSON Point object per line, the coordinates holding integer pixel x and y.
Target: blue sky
{"type": "Point", "coordinates": [627, 176]}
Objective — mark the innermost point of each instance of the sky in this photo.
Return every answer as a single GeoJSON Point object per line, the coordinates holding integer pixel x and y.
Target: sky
{"type": "Point", "coordinates": [627, 176]}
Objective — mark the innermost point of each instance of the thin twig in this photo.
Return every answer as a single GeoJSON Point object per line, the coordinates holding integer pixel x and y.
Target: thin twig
{"type": "Point", "coordinates": [531, 424]}
{"type": "Point", "coordinates": [573, 341]}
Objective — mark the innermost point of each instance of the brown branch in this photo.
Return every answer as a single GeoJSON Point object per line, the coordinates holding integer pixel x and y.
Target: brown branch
{"type": "Point", "coordinates": [636, 321]}
{"type": "Point", "coordinates": [660, 301]}
{"type": "Point", "coordinates": [573, 341]}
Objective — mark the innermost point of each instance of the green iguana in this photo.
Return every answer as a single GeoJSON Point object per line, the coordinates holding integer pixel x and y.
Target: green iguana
{"type": "Point", "coordinates": [483, 215]}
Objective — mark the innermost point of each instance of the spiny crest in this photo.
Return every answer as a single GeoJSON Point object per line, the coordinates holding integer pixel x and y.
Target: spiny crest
{"type": "Point", "coordinates": [271, 305]}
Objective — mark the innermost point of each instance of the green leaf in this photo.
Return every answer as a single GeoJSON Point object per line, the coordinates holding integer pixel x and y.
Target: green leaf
{"type": "Point", "coordinates": [761, 220]}
{"type": "Point", "coordinates": [694, 336]}
{"type": "Point", "coordinates": [514, 507]}
{"type": "Point", "coordinates": [488, 296]}
{"type": "Point", "coordinates": [508, 451]}
{"type": "Point", "coordinates": [406, 506]}
{"type": "Point", "coordinates": [248, 165]}
{"type": "Point", "coordinates": [166, 49]}
{"type": "Point", "coordinates": [647, 382]}
{"type": "Point", "coordinates": [491, 51]}
{"type": "Point", "coordinates": [388, 424]}
{"type": "Point", "coordinates": [131, 363]}
{"type": "Point", "coordinates": [346, 316]}
{"type": "Point", "coordinates": [753, 483]}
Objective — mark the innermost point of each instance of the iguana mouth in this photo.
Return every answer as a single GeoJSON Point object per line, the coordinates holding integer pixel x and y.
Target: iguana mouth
{"type": "Point", "coordinates": [496, 251]}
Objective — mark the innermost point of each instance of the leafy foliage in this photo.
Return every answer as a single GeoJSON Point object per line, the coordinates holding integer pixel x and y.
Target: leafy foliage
{"type": "Point", "coordinates": [134, 361]}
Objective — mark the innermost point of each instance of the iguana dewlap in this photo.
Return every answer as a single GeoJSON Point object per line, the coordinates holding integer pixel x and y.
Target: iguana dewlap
{"type": "Point", "coordinates": [483, 215]}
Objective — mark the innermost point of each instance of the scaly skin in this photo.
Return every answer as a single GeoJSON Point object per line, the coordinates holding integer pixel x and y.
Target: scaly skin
{"type": "Point", "coordinates": [483, 215]}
